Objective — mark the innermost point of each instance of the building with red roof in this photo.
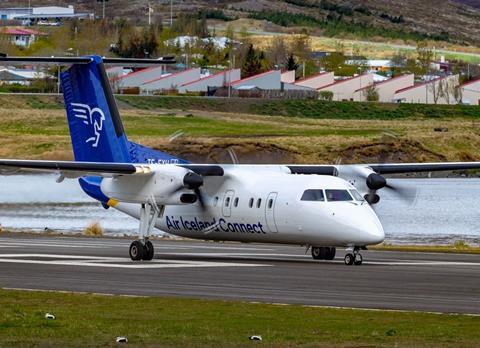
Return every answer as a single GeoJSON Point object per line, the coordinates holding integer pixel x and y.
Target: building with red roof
{"type": "Point", "coordinates": [21, 37]}
{"type": "Point", "coordinates": [471, 92]}
{"type": "Point", "coordinates": [386, 89]}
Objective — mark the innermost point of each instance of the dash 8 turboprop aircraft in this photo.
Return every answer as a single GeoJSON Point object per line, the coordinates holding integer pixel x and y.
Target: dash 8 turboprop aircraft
{"type": "Point", "coordinates": [319, 206]}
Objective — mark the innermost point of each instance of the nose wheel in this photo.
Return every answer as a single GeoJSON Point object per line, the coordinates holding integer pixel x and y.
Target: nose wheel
{"type": "Point", "coordinates": [353, 259]}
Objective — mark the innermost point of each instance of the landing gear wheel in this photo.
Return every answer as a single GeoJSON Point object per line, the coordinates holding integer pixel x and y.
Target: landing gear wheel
{"type": "Point", "coordinates": [330, 253]}
{"type": "Point", "coordinates": [317, 253]}
{"type": "Point", "coordinates": [358, 259]}
{"type": "Point", "coordinates": [349, 259]}
{"type": "Point", "coordinates": [148, 251]}
{"type": "Point", "coordinates": [136, 251]}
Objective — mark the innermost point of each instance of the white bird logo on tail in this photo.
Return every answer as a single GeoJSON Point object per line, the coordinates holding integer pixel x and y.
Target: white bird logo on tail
{"type": "Point", "coordinates": [93, 117]}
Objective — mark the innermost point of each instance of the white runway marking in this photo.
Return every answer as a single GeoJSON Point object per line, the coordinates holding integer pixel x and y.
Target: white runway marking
{"type": "Point", "coordinates": [112, 262]}
{"type": "Point", "coordinates": [103, 244]}
{"type": "Point", "coordinates": [284, 257]}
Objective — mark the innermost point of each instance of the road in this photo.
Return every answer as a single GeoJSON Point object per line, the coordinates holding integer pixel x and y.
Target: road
{"type": "Point", "coordinates": [248, 272]}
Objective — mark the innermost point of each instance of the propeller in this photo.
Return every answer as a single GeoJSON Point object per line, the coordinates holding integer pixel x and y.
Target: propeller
{"type": "Point", "coordinates": [375, 181]}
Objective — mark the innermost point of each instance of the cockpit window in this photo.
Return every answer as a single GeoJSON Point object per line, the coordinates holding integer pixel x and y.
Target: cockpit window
{"type": "Point", "coordinates": [356, 195]}
{"type": "Point", "coordinates": [338, 195]}
{"type": "Point", "coordinates": [313, 195]}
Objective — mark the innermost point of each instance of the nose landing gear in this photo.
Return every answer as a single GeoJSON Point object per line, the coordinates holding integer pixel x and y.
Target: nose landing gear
{"type": "Point", "coordinates": [355, 258]}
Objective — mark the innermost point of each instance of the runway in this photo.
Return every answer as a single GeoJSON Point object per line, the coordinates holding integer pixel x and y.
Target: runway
{"type": "Point", "coordinates": [248, 272]}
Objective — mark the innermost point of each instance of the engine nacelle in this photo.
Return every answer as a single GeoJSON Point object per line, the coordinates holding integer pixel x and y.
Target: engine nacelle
{"type": "Point", "coordinates": [164, 186]}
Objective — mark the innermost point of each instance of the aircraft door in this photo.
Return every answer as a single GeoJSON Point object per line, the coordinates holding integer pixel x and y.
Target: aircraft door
{"type": "Point", "coordinates": [227, 203]}
{"type": "Point", "coordinates": [270, 212]}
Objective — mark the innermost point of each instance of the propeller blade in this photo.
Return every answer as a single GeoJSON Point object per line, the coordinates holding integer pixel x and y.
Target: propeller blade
{"type": "Point", "coordinates": [403, 192]}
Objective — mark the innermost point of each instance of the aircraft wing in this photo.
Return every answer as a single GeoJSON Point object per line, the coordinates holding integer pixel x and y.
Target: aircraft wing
{"type": "Point", "coordinates": [73, 169]}
{"type": "Point", "coordinates": [385, 168]}
{"type": "Point", "coordinates": [399, 168]}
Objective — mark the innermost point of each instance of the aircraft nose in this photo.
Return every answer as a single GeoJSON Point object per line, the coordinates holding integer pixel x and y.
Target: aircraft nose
{"type": "Point", "coordinates": [371, 229]}
{"type": "Point", "coordinates": [373, 232]}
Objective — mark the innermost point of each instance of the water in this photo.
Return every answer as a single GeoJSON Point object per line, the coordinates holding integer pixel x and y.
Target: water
{"type": "Point", "coordinates": [445, 210]}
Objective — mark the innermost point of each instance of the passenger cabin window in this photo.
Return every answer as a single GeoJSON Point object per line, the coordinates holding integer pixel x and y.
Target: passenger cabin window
{"type": "Point", "coordinates": [235, 202]}
{"type": "Point", "coordinates": [313, 195]}
{"type": "Point", "coordinates": [250, 203]}
{"type": "Point", "coordinates": [338, 196]}
{"type": "Point", "coordinates": [357, 195]}
{"type": "Point", "coordinates": [270, 203]}
{"type": "Point", "coordinates": [259, 202]}
{"type": "Point", "coordinates": [227, 201]}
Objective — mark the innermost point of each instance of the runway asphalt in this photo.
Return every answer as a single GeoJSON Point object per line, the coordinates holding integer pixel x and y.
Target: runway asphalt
{"type": "Point", "coordinates": [247, 272]}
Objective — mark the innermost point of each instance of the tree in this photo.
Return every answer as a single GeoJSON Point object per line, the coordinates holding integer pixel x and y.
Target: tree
{"type": "Point", "coordinates": [291, 63]}
{"type": "Point", "coordinates": [424, 57]}
{"type": "Point", "coordinates": [138, 44]}
{"type": "Point", "coordinates": [278, 51]}
{"type": "Point", "coordinates": [252, 64]}
{"type": "Point", "coordinates": [371, 93]}
{"type": "Point", "coordinates": [326, 95]}
{"type": "Point", "coordinates": [301, 46]}
{"type": "Point", "coordinates": [458, 94]}
{"type": "Point", "coordinates": [398, 63]}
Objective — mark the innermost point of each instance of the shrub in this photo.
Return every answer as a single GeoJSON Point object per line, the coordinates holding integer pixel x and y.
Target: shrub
{"type": "Point", "coordinates": [93, 230]}
{"type": "Point", "coordinates": [326, 95]}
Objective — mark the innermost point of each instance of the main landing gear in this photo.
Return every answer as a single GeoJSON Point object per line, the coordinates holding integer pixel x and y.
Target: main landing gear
{"type": "Point", "coordinates": [142, 249]}
{"type": "Point", "coordinates": [355, 258]}
{"type": "Point", "coordinates": [323, 253]}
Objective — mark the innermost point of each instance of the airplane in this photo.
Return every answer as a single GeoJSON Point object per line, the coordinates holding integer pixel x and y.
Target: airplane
{"type": "Point", "coordinates": [320, 207]}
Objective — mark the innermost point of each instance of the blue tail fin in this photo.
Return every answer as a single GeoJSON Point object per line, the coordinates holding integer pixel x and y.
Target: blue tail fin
{"type": "Point", "coordinates": [96, 128]}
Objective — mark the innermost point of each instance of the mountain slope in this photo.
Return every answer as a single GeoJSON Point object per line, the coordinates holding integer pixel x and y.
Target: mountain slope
{"type": "Point", "coordinates": [459, 20]}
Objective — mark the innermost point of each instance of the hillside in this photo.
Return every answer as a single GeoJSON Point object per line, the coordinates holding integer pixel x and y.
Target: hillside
{"type": "Point", "coordinates": [452, 20]}
{"type": "Point", "coordinates": [472, 3]}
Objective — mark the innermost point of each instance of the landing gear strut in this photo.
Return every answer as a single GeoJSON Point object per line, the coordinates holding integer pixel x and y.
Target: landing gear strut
{"type": "Point", "coordinates": [142, 249]}
{"type": "Point", "coordinates": [355, 258]}
{"type": "Point", "coordinates": [323, 253]}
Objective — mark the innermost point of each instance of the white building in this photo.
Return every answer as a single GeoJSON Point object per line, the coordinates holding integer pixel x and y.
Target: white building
{"type": "Point", "coordinates": [21, 37]}
{"type": "Point", "coordinates": [267, 81]}
{"type": "Point", "coordinates": [471, 92]}
{"type": "Point", "coordinates": [170, 81]}
{"type": "Point", "coordinates": [222, 78]}
{"type": "Point", "coordinates": [435, 91]}
{"type": "Point", "coordinates": [345, 89]}
{"type": "Point", "coordinates": [317, 81]}
{"type": "Point", "coordinates": [21, 76]}
{"type": "Point", "coordinates": [288, 76]}
{"type": "Point", "coordinates": [41, 14]}
{"type": "Point", "coordinates": [137, 78]}
{"type": "Point", "coordinates": [386, 89]}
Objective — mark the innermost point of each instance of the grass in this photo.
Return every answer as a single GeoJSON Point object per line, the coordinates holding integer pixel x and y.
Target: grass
{"type": "Point", "coordinates": [458, 247]}
{"type": "Point", "coordinates": [278, 131]}
{"type": "Point", "coordinates": [316, 109]}
{"type": "Point", "coordinates": [95, 321]}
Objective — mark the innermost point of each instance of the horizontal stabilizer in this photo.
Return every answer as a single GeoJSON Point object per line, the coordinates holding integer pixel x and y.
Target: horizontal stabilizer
{"type": "Point", "coordinates": [74, 168]}
{"type": "Point", "coordinates": [125, 62]}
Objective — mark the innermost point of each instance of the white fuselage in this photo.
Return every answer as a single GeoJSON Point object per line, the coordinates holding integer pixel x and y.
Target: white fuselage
{"type": "Point", "coordinates": [267, 206]}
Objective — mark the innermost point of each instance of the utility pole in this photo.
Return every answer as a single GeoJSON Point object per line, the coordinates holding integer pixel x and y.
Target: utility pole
{"type": "Point", "coordinates": [103, 9]}
{"type": "Point", "coordinates": [150, 10]}
{"type": "Point", "coordinates": [171, 13]}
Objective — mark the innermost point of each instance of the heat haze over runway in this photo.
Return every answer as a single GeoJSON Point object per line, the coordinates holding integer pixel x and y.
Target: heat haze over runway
{"type": "Point", "coordinates": [247, 272]}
